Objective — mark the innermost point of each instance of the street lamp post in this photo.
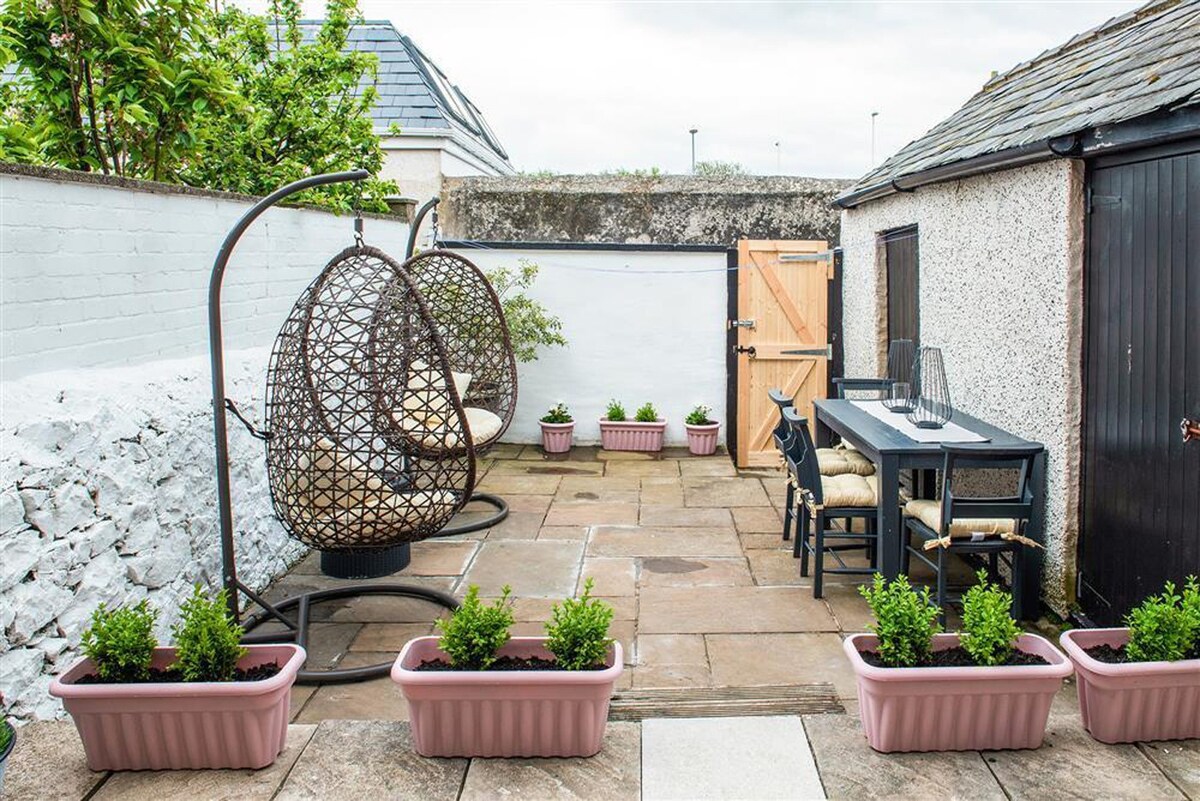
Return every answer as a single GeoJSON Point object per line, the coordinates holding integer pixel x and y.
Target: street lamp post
{"type": "Point", "coordinates": [874, 114]}
{"type": "Point", "coordinates": [693, 131]}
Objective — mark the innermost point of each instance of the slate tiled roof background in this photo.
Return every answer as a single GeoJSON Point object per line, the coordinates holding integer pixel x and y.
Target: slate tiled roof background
{"type": "Point", "coordinates": [413, 92]}
{"type": "Point", "coordinates": [1135, 64]}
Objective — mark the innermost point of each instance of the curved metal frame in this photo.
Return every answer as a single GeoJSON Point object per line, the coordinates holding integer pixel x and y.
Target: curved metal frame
{"type": "Point", "coordinates": [294, 630]}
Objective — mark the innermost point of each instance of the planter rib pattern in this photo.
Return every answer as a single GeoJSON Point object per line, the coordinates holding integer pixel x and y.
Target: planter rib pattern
{"type": "Point", "coordinates": [537, 713]}
{"type": "Point", "coordinates": [702, 440]}
{"type": "Point", "coordinates": [632, 436]}
{"type": "Point", "coordinates": [556, 437]}
{"type": "Point", "coordinates": [958, 708]}
{"type": "Point", "coordinates": [1133, 701]}
{"type": "Point", "coordinates": [183, 726]}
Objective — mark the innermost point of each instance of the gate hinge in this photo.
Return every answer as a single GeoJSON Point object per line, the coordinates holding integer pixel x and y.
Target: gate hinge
{"type": "Point", "coordinates": [741, 324]}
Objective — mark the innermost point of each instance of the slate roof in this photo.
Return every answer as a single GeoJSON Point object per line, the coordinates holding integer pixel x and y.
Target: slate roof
{"type": "Point", "coordinates": [413, 92]}
{"type": "Point", "coordinates": [1145, 61]}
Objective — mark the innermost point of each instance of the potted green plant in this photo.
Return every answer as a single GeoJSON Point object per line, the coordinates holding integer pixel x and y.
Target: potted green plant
{"type": "Point", "coordinates": [139, 706]}
{"type": "Point", "coordinates": [701, 431]}
{"type": "Point", "coordinates": [643, 433]}
{"type": "Point", "coordinates": [557, 428]}
{"type": "Point", "coordinates": [1142, 681]}
{"type": "Point", "coordinates": [988, 687]}
{"type": "Point", "coordinates": [478, 692]}
{"type": "Point", "coordinates": [8, 741]}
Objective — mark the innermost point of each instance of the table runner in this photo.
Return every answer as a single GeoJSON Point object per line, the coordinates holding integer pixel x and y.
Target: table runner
{"type": "Point", "coordinates": [947, 433]}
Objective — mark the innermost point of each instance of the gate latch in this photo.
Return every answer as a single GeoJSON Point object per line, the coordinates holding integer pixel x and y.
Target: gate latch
{"type": "Point", "coordinates": [741, 324]}
{"type": "Point", "coordinates": [1190, 429]}
{"type": "Point", "coordinates": [742, 349]}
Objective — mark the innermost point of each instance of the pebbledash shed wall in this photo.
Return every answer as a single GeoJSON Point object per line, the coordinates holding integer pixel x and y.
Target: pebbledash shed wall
{"type": "Point", "coordinates": [1000, 292]}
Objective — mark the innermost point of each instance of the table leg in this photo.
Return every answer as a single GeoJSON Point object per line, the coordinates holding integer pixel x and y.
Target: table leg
{"type": "Point", "coordinates": [824, 435]}
{"type": "Point", "coordinates": [890, 540]}
{"type": "Point", "coordinates": [1026, 596]}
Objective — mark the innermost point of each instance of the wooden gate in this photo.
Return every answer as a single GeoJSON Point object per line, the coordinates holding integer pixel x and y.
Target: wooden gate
{"type": "Point", "coordinates": [1141, 487]}
{"type": "Point", "coordinates": [782, 336]}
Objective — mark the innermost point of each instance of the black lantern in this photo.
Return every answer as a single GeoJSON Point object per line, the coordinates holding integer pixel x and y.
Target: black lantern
{"type": "Point", "coordinates": [901, 353]}
{"type": "Point", "coordinates": [931, 408]}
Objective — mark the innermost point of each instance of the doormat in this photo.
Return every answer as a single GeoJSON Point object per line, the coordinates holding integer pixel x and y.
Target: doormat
{"type": "Point", "coordinates": [724, 702]}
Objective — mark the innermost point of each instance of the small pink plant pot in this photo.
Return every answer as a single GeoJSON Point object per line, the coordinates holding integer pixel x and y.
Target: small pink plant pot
{"type": "Point", "coordinates": [1133, 701]}
{"type": "Point", "coordinates": [183, 725]}
{"type": "Point", "coordinates": [630, 435]}
{"type": "Point", "coordinates": [520, 713]}
{"type": "Point", "coordinates": [556, 437]}
{"type": "Point", "coordinates": [956, 708]}
{"type": "Point", "coordinates": [702, 440]}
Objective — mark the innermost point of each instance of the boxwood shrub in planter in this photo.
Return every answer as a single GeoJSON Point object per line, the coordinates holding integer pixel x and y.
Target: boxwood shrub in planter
{"type": "Point", "coordinates": [208, 702]}
{"type": "Point", "coordinates": [1142, 682]}
{"type": "Point", "coordinates": [988, 687]}
{"type": "Point", "coordinates": [557, 428]}
{"type": "Point", "coordinates": [477, 692]}
{"type": "Point", "coordinates": [644, 433]}
{"type": "Point", "coordinates": [701, 431]}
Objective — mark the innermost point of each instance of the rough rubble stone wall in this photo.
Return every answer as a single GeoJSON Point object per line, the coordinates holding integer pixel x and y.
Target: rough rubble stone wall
{"type": "Point", "coordinates": [1001, 259]}
{"type": "Point", "coordinates": [666, 209]}
{"type": "Point", "coordinates": [108, 495]}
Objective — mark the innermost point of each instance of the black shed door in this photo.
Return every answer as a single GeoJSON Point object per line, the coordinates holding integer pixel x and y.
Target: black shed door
{"type": "Point", "coordinates": [903, 271]}
{"type": "Point", "coordinates": [1141, 493]}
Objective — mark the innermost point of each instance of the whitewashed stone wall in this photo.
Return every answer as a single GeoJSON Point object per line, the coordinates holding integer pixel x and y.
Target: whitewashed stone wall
{"type": "Point", "coordinates": [108, 494]}
{"type": "Point", "coordinates": [1001, 260]}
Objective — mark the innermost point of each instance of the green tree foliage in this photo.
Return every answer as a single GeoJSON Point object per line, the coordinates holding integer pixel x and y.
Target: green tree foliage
{"type": "Point", "coordinates": [530, 325]}
{"type": "Point", "coordinates": [121, 642]}
{"type": "Point", "coordinates": [474, 633]}
{"type": "Point", "coordinates": [989, 632]}
{"type": "Point", "coordinates": [905, 621]}
{"type": "Point", "coordinates": [173, 90]}
{"type": "Point", "coordinates": [577, 632]}
{"type": "Point", "coordinates": [207, 640]}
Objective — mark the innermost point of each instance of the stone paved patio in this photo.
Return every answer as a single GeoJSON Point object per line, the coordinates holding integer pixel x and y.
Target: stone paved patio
{"type": "Point", "coordinates": [688, 552]}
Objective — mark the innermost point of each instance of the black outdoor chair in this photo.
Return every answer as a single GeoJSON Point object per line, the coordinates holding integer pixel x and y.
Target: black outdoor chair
{"type": "Point", "coordinates": [877, 388]}
{"type": "Point", "coordinates": [783, 437]}
{"type": "Point", "coordinates": [824, 499]}
{"type": "Point", "coordinates": [974, 526]}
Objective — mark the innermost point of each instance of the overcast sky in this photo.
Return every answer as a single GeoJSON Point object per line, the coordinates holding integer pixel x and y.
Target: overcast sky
{"type": "Point", "coordinates": [583, 87]}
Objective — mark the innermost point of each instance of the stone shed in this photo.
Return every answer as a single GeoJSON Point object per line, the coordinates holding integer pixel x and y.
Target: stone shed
{"type": "Point", "coordinates": [1045, 237]}
{"type": "Point", "coordinates": [639, 209]}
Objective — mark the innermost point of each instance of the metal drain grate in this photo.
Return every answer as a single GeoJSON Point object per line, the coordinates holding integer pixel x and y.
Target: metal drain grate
{"type": "Point", "coordinates": [722, 702]}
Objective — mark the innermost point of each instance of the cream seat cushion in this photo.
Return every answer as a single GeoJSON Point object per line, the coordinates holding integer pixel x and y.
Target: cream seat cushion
{"type": "Point", "coordinates": [334, 490]}
{"type": "Point", "coordinates": [837, 462]}
{"type": "Point", "coordinates": [426, 411]}
{"type": "Point", "coordinates": [851, 491]}
{"type": "Point", "coordinates": [930, 513]}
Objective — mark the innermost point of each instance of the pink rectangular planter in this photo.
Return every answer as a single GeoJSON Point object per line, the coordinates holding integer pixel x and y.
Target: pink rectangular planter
{"type": "Point", "coordinates": [534, 713]}
{"type": "Point", "coordinates": [184, 725]}
{"type": "Point", "coordinates": [556, 437]}
{"type": "Point", "coordinates": [956, 708]}
{"type": "Point", "coordinates": [1135, 701]}
{"type": "Point", "coordinates": [631, 435]}
{"type": "Point", "coordinates": [702, 440]}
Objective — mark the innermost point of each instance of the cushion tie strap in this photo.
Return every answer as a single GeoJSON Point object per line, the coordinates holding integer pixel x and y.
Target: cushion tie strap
{"type": "Point", "coordinates": [978, 536]}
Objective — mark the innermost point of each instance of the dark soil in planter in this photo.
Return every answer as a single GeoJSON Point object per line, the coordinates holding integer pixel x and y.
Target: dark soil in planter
{"type": "Point", "coordinates": [957, 657]}
{"type": "Point", "coordinates": [1117, 656]}
{"type": "Point", "coordinates": [504, 663]}
{"type": "Point", "coordinates": [157, 676]}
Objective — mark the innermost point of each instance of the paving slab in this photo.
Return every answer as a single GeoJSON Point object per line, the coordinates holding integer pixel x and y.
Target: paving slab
{"type": "Point", "coordinates": [548, 467]}
{"type": "Point", "coordinates": [528, 503]}
{"type": "Point", "coordinates": [611, 575]}
{"type": "Point", "coordinates": [1180, 761]}
{"type": "Point", "coordinates": [683, 516]}
{"type": "Point", "coordinates": [519, 484]}
{"type": "Point", "coordinates": [1070, 764]}
{"type": "Point", "coordinates": [711, 466]}
{"type": "Point", "coordinates": [672, 660]}
{"type": "Point", "coordinates": [597, 485]}
{"type": "Point", "coordinates": [563, 533]}
{"type": "Point", "coordinates": [774, 567]}
{"type": "Point", "coordinates": [746, 660]}
{"type": "Point", "coordinates": [47, 762]}
{"type": "Point", "coordinates": [850, 769]}
{"type": "Point", "coordinates": [534, 568]}
{"type": "Point", "coordinates": [517, 526]}
{"type": "Point", "coordinates": [300, 693]}
{"type": "Point", "coordinates": [368, 760]}
{"type": "Point", "coordinates": [211, 785]}
{"type": "Point", "coordinates": [724, 492]}
{"type": "Point", "coordinates": [432, 558]}
{"type": "Point", "coordinates": [587, 513]}
{"type": "Point", "coordinates": [849, 608]}
{"type": "Point", "coordinates": [680, 610]}
{"type": "Point", "coordinates": [727, 758]}
{"type": "Point", "coordinates": [376, 637]}
{"type": "Point", "coordinates": [660, 469]}
{"type": "Point", "coordinates": [654, 541]}
{"type": "Point", "coordinates": [395, 608]}
{"type": "Point", "coordinates": [675, 571]}
{"type": "Point", "coordinates": [659, 491]}
{"type": "Point", "coordinates": [764, 541]}
{"type": "Point", "coordinates": [612, 775]}
{"type": "Point", "coordinates": [374, 699]}
{"type": "Point", "coordinates": [758, 520]}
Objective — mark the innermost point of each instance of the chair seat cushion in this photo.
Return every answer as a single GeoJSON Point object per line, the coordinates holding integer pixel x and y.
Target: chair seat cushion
{"type": "Point", "coordinates": [837, 462]}
{"type": "Point", "coordinates": [850, 491]}
{"type": "Point", "coordinates": [483, 425]}
{"type": "Point", "coordinates": [930, 513]}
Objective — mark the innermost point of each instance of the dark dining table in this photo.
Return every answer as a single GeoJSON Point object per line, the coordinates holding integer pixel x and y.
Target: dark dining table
{"type": "Point", "coordinates": [895, 453]}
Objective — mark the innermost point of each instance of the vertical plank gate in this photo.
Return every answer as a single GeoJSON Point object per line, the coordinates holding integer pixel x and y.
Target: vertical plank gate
{"type": "Point", "coordinates": [782, 336]}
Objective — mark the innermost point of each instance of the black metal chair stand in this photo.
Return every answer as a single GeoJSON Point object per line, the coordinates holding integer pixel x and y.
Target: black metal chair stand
{"type": "Point", "coordinates": [984, 529]}
{"type": "Point", "coordinates": [295, 627]}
